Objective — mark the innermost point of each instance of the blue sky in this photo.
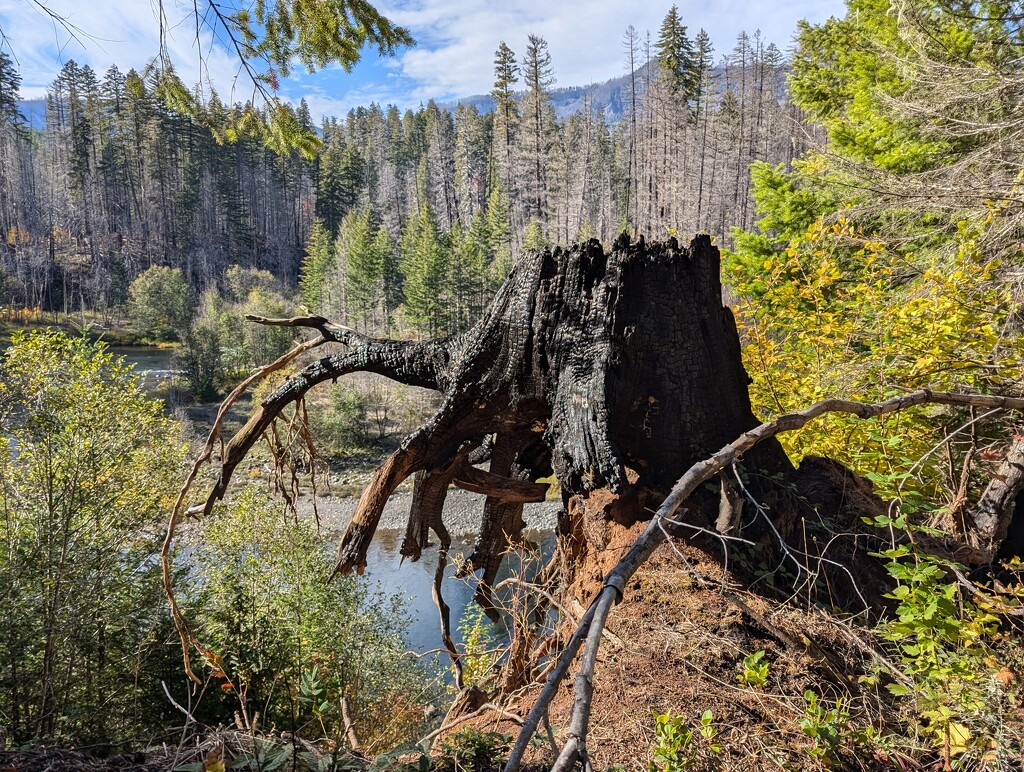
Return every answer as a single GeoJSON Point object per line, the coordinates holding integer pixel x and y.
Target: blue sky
{"type": "Point", "coordinates": [456, 40]}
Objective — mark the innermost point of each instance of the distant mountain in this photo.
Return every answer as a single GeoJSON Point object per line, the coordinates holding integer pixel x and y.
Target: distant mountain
{"type": "Point", "coordinates": [34, 111]}
{"type": "Point", "coordinates": [612, 96]}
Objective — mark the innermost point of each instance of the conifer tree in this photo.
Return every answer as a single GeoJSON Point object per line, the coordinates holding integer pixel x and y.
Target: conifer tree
{"type": "Point", "coordinates": [425, 270]}
{"type": "Point", "coordinates": [539, 121]}
{"type": "Point", "coordinates": [12, 136]}
{"type": "Point", "coordinates": [499, 227]}
{"type": "Point", "coordinates": [363, 264]}
{"type": "Point", "coordinates": [506, 115]}
{"type": "Point", "coordinates": [676, 57]}
{"type": "Point", "coordinates": [480, 234]}
{"type": "Point", "coordinates": [391, 275]}
{"type": "Point", "coordinates": [468, 278]}
{"type": "Point", "coordinates": [10, 82]}
{"type": "Point", "coordinates": [534, 237]}
{"type": "Point", "coordinates": [317, 265]}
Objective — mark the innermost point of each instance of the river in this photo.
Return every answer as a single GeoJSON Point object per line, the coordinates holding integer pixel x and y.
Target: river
{"type": "Point", "coordinates": [414, 581]}
{"type": "Point", "coordinates": [154, 364]}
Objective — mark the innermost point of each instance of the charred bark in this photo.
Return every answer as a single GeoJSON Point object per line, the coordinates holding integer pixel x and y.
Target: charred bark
{"type": "Point", "coordinates": [615, 370]}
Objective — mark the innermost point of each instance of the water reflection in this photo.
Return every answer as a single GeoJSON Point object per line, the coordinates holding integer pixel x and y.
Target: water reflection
{"type": "Point", "coordinates": [413, 581]}
{"type": "Point", "coordinates": [154, 364]}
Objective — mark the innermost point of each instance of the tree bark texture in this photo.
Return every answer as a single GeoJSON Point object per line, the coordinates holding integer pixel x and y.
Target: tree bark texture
{"type": "Point", "coordinates": [614, 370]}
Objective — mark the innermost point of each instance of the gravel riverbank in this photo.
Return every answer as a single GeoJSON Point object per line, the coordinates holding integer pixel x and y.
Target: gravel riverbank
{"type": "Point", "coordinates": [462, 511]}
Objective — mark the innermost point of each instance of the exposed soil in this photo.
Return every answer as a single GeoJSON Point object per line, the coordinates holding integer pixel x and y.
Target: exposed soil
{"type": "Point", "coordinates": [677, 644]}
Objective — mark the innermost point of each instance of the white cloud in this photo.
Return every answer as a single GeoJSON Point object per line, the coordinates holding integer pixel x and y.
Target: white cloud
{"type": "Point", "coordinates": [454, 56]}
{"type": "Point", "coordinates": [458, 37]}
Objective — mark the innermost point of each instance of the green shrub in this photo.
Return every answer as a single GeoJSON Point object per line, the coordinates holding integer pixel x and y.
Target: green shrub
{"type": "Point", "coordinates": [753, 671]}
{"type": "Point", "coordinates": [339, 420]}
{"type": "Point", "coordinates": [239, 282]}
{"type": "Point", "coordinates": [289, 645]}
{"type": "Point", "coordinates": [160, 303]}
{"type": "Point", "coordinates": [478, 645]}
{"type": "Point", "coordinates": [85, 482]}
{"type": "Point", "coordinates": [200, 361]}
{"type": "Point", "coordinates": [676, 745]}
{"type": "Point", "coordinates": [472, 749]}
{"type": "Point", "coordinates": [943, 644]}
{"type": "Point", "coordinates": [824, 726]}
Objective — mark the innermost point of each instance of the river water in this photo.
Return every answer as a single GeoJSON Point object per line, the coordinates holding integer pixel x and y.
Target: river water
{"type": "Point", "coordinates": [414, 582]}
{"type": "Point", "coordinates": [155, 365]}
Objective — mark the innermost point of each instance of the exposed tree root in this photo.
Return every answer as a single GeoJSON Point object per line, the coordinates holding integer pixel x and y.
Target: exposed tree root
{"type": "Point", "coordinates": [616, 372]}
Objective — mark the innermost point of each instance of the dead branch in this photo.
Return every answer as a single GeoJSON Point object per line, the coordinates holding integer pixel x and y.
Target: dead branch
{"type": "Point", "coordinates": [992, 515]}
{"type": "Point", "coordinates": [488, 707]}
{"type": "Point", "coordinates": [350, 727]}
{"type": "Point", "coordinates": [181, 625]}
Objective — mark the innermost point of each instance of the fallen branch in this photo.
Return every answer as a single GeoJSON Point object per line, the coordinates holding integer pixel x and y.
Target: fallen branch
{"type": "Point", "coordinates": [487, 707]}
{"type": "Point", "coordinates": [216, 433]}
{"type": "Point", "coordinates": [592, 624]}
{"type": "Point", "coordinates": [992, 514]}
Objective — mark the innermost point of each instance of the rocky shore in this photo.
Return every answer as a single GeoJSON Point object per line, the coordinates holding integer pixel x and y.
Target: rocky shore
{"type": "Point", "coordinates": [462, 512]}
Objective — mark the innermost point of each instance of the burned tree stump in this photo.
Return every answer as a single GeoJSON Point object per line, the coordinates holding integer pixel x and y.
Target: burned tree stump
{"type": "Point", "coordinates": [619, 372]}
{"type": "Point", "coordinates": [615, 371]}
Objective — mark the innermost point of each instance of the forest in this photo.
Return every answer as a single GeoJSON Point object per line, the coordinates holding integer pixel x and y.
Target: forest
{"type": "Point", "coordinates": [752, 326]}
{"type": "Point", "coordinates": [118, 182]}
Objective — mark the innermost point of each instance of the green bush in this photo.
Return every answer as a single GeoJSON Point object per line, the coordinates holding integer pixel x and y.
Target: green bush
{"type": "Point", "coordinates": [339, 421]}
{"type": "Point", "coordinates": [289, 645]}
{"type": "Point", "coordinates": [753, 671]}
{"type": "Point", "coordinates": [200, 361]}
{"type": "Point", "coordinates": [240, 282]}
{"type": "Point", "coordinates": [471, 749]}
{"type": "Point", "coordinates": [262, 344]}
{"type": "Point", "coordinates": [677, 747]}
{"type": "Point", "coordinates": [160, 303]}
{"type": "Point", "coordinates": [85, 482]}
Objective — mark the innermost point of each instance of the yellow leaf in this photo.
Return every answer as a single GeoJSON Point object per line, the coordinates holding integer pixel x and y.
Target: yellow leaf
{"type": "Point", "coordinates": [959, 736]}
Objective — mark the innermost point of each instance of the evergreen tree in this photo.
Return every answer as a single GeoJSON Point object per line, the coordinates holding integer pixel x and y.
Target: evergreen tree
{"type": "Point", "coordinates": [506, 114]}
{"type": "Point", "coordinates": [363, 264]}
{"type": "Point", "coordinates": [539, 121]}
{"type": "Point", "coordinates": [425, 270]}
{"type": "Point", "coordinates": [340, 179]}
{"type": "Point", "coordinates": [10, 82]}
{"type": "Point", "coordinates": [468, 279]}
{"type": "Point", "coordinates": [499, 227]}
{"type": "Point", "coordinates": [480, 234]}
{"type": "Point", "coordinates": [391, 275]}
{"type": "Point", "coordinates": [13, 135]}
{"type": "Point", "coordinates": [534, 237]}
{"type": "Point", "coordinates": [676, 57]}
{"type": "Point", "coordinates": [317, 266]}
